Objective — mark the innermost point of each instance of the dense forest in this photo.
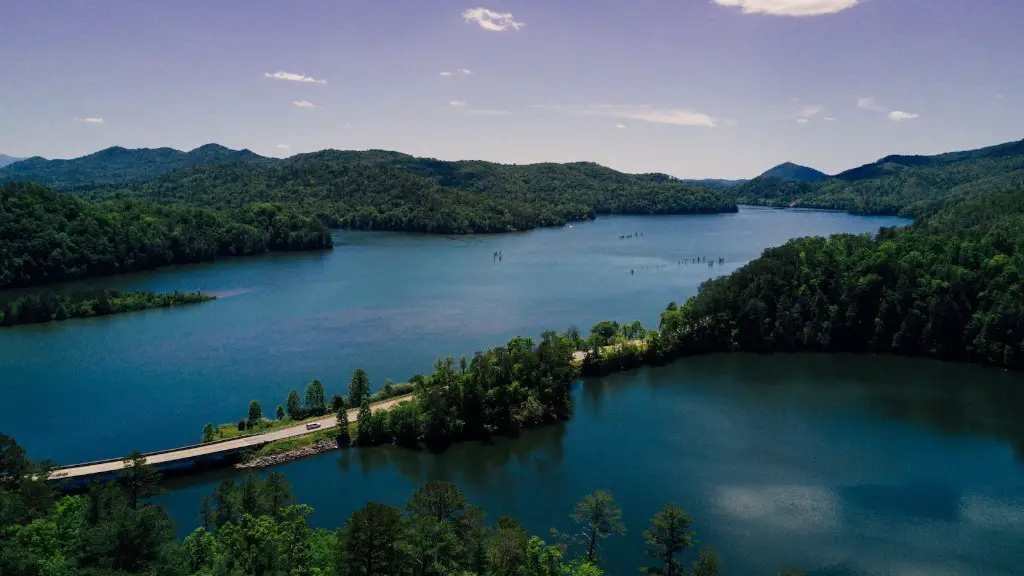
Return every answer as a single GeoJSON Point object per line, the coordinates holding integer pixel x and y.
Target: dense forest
{"type": "Point", "coordinates": [49, 237]}
{"type": "Point", "coordinates": [117, 165]}
{"type": "Point", "coordinates": [255, 527]}
{"type": "Point", "coordinates": [380, 190]}
{"type": "Point", "coordinates": [904, 185]}
{"type": "Point", "coordinates": [52, 306]}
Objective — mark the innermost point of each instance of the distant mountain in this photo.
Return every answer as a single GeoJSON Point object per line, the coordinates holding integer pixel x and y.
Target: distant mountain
{"type": "Point", "coordinates": [794, 173]}
{"type": "Point", "coordinates": [119, 165]}
{"type": "Point", "coordinates": [909, 185]}
{"type": "Point", "coordinates": [717, 183]}
{"type": "Point", "coordinates": [5, 160]}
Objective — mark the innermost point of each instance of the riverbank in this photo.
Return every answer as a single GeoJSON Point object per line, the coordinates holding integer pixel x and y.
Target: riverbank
{"type": "Point", "coordinates": [55, 307]}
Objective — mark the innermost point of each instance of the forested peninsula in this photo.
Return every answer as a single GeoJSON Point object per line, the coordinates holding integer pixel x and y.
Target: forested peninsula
{"type": "Point", "coordinates": [50, 306]}
{"type": "Point", "coordinates": [50, 237]}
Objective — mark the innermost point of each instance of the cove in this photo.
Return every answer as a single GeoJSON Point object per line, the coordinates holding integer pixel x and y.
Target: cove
{"type": "Point", "coordinates": [838, 464]}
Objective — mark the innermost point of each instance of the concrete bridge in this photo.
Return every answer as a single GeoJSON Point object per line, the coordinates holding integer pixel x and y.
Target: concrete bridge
{"type": "Point", "coordinates": [190, 456]}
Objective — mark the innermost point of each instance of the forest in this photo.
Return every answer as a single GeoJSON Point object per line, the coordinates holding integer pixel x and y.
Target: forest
{"type": "Point", "coordinates": [909, 186]}
{"type": "Point", "coordinates": [53, 306]}
{"type": "Point", "coordinates": [380, 190]}
{"type": "Point", "coordinates": [256, 527]}
{"type": "Point", "coordinates": [50, 237]}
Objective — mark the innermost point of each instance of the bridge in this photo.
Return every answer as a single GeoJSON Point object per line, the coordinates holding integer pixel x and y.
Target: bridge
{"type": "Point", "coordinates": [189, 455]}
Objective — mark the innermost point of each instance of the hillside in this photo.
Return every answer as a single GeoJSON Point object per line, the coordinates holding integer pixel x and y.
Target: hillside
{"type": "Point", "coordinates": [49, 237]}
{"type": "Point", "coordinates": [385, 190]}
{"type": "Point", "coordinates": [118, 165]}
{"type": "Point", "coordinates": [6, 160]}
{"type": "Point", "coordinates": [790, 172]}
{"type": "Point", "coordinates": [904, 185]}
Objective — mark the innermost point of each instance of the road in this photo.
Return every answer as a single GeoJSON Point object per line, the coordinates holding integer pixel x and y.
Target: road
{"type": "Point", "coordinates": [581, 355]}
{"type": "Point", "coordinates": [254, 440]}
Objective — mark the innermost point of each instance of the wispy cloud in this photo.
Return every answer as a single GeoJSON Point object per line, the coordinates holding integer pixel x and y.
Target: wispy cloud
{"type": "Point", "coordinates": [304, 104]}
{"type": "Point", "coordinates": [445, 73]}
{"type": "Point", "coordinates": [644, 113]}
{"type": "Point", "coordinates": [293, 77]}
{"type": "Point", "coordinates": [284, 146]}
{"type": "Point", "coordinates": [620, 125]}
{"type": "Point", "coordinates": [465, 71]}
{"type": "Point", "coordinates": [829, 119]}
{"type": "Point", "coordinates": [900, 115]}
{"type": "Point", "coordinates": [491, 20]}
{"type": "Point", "coordinates": [789, 7]}
{"type": "Point", "coordinates": [91, 120]}
{"type": "Point", "coordinates": [869, 103]}
{"type": "Point", "coordinates": [456, 103]}
{"type": "Point", "coordinates": [802, 121]}
{"type": "Point", "coordinates": [810, 111]}
{"type": "Point", "coordinates": [486, 112]}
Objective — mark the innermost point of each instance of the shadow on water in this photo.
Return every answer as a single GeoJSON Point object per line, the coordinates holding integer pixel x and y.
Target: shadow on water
{"type": "Point", "coordinates": [954, 399]}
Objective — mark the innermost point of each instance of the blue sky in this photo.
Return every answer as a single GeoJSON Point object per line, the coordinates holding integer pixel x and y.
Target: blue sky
{"type": "Point", "coordinates": [694, 88]}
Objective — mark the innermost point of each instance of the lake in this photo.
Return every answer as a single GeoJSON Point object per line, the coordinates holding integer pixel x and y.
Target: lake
{"type": "Point", "coordinates": [845, 465]}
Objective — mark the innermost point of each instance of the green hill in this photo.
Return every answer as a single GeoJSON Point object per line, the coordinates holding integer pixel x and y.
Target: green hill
{"type": "Point", "coordinates": [790, 172]}
{"type": "Point", "coordinates": [904, 185]}
{"type": "Point", "coordinates": [117, 165]}
{"type": "Point", "coordinates": [385, 190]}
{"type": "Point", "coordinates": [6, 160]}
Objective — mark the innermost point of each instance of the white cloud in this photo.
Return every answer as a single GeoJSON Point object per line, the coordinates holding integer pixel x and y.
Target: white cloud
{"type": "Point", "coordinates": [486, 112]}
{"type": "Point", "coordinates": [653, 114]}
{"type": "Point", "coordinates": [91, 120]}
{"type": "Point", "coordinates": [284, 146]}
{"type": "Point", "coordinates": [620, 125]}
{"type": "Point", "coordinates": [789, 7]}
{"type": "Point", "coordinates": [802, 120]}
{"type": "Point", "coordinates": [456, 103]}
{"type": "Point", "coordinates": [465, 71]}
{"type": "Point", "coordinates": [829, 119]}
{"type": "Point", "coordinates": [293, 77]}
{"type": "Point", "coordinates": [491, 20]}
{"type": "Point", "coordinates": [899, 115]}
{"type": "Point", "coordinates": [810, 111]}
{"type": "Point", "coordinates": [446, 73]}
{"type": "Point", "coordinates": [868, 103]}
{"type": "Point", "coordinates": [304, 104]}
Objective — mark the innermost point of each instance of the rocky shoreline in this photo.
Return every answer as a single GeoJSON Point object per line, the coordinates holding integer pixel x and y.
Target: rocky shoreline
{"type": "Point", "coordinates": [317, 447]}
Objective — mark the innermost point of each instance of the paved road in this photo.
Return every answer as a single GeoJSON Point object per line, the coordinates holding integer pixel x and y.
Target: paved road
{"type": "Point", "coordinates": [227, 446]}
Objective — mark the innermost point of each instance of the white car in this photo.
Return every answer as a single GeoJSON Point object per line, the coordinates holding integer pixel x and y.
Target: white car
{"type": "Point", "coordinates": [312, 426]}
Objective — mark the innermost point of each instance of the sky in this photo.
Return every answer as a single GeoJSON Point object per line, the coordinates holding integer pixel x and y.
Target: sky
{"type": "Point", "coordinates": [692, 88]}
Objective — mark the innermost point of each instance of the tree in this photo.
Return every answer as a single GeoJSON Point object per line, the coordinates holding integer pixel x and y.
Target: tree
{"type": "Point", "coordinates": [358, 388]}
{"type": "Point", "coordinates": [206, 516]}
{"type": "Point", "coordinates": [506, 550]}
{"type": "Point", "coordinates": [225, 503]}
{"type": "Point", "coordinates": [255, 413]}
{"type": "Point", "coordinates": [707, 564]}
{"type": "Point", "coordinates": [600, 518]}
{"type": "Point", "coordinates": [344, 436]}
{"type": "Point", "coordinates": [208, 432]}
{"type": "Point", "coordinates": [336, 401]}
{"type": "Point", "coordinates": [316, 398]}
{"type": "Point", "coordinates": [275, 494]}
{"type": "Point", "coordinates": [369, 544]}
{"type": "Point", "coordinates": [364, 424]}
{"type": "Point", "coordinates": [138, 480]}
{"type": "Point", "coordinates": [294, 406]}
{"type": "Point", "coordinates": [199, 549]}
{"type": "Point", "coordinates": [668, 537]}
{"type": "Point", "coordinates": [280, 412]}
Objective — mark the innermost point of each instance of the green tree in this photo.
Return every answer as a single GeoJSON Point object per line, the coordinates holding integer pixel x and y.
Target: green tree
{"type": "Point", "coordinates": [344, 436]}
{"type": "Point", "coordinates": [208, 432]}
{"type": "Point", "coordinates": [707, 564]}
{"type": "Point", "coordinates": [316, 398]}
{"type": "Point", "coordinates": [600, 517]}
{"type": "Point", "coordinates": [668, 537]}
{"type": "Point", "coordinates": [507, 549]}
{"type": "Point", "coordinates": [207, 518]}
{"type": "Point", "coordinates": [138, 479]}
{"type": "Point", "coordinates": [280, 412]}
{"type": "Point", "coordinates": [226, 507]}
{"type": "Point", "coordinates": [199, 549]}
{"type": "Point", "coordinates": [255, 413]}
{"type": "Point", "coordinates": [336, 402]}
{"type": "Point", "coordinates": [364, 424]}
{"type": "Point", "coordinates": [370, 543]}
{"type": "Point", "coordinates": [358, 388]}
{"type": "Point", "coordinates": [294, 406]}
